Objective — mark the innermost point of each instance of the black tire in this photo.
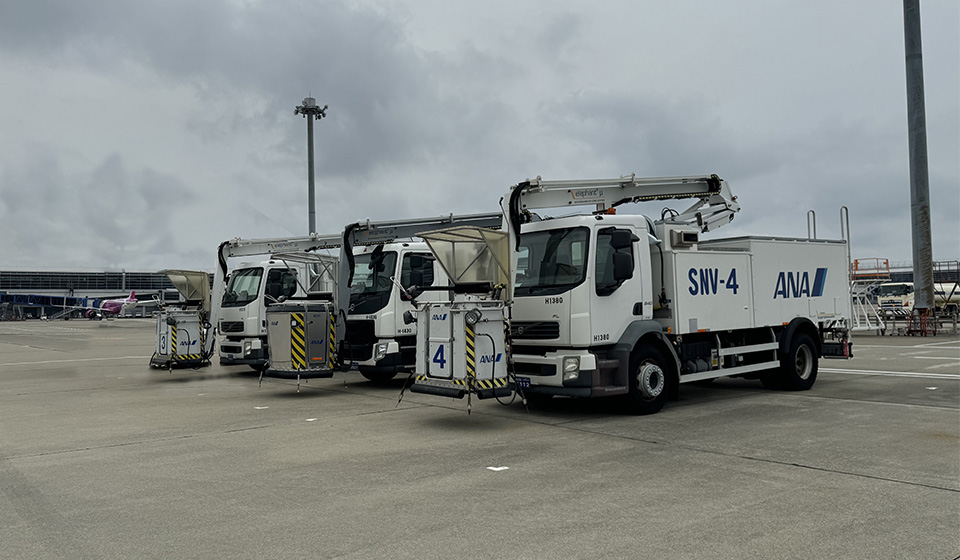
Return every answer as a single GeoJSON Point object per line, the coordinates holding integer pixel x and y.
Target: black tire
{"type": "Point", "coordinates": [650, 382]}
{"type": "Point", "coordinates": [799, 366]}
{"type": "Point", "coordinates": [772, 379]}
{"type": "Point", "coordinates": [378, 378]}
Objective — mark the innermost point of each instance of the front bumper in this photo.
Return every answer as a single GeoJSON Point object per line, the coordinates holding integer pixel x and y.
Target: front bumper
{"type": "Point", "coordinates": [544, 375]}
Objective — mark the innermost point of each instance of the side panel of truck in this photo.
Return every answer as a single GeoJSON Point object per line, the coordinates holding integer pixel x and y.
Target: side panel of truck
{"type": "Point", "coordinates": [710, 290]}
{"type": "Point", "coordinates": [795, 278]}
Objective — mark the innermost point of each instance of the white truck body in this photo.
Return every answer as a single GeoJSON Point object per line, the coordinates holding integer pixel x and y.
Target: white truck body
{"type": "Point", "coordinates": [607, 304]}
{"type": "Point", "coordinates": [753, 286]}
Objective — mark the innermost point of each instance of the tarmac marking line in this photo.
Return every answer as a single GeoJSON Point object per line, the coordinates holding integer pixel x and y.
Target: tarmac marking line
{"type": "Point", "coordinates": [891, 373]}
{"type": "Point", "coordinates": [74, 360]}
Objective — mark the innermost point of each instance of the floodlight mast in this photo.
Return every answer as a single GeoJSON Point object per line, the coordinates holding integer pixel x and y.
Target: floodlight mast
{"type": "Point", "coordinates": [311, 112]}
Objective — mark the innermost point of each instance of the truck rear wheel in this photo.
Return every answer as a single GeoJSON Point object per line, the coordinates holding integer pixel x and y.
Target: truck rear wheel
{"type": "Point", "coordinates": [650, 380]}
{"type": "Point", "coordinates": [798, 367]}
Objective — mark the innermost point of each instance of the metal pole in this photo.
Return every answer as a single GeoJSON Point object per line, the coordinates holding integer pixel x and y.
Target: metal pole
{"type": "Point", "coordinates": [919, 180]}
{"type": "Point", "coordinates": [310, 111]}
{"type": "Point", "coordinates": [311, 196]}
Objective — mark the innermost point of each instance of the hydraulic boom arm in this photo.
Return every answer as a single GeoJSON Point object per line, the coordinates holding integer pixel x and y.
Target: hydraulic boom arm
{"type": "Point", "coordinates": [715, 206]}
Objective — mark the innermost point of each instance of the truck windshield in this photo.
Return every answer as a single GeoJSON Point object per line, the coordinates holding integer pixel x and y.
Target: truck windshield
{"type": "Point", "coordinates": [887, 290]}
{"type": "Point", "coordinates": [243, 287]}
{"type": "Point", "coordinates": [371, 286]}
{"type": "Point", "coordinates": [551, 262]}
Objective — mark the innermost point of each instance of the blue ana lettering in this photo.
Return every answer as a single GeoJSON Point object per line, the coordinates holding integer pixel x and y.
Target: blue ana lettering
{"type": "Point", "coordinates": [797, 284]}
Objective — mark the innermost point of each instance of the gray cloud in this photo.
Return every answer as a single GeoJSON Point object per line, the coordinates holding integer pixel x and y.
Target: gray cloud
{"type": "Point", "coordinates": [177, 117]}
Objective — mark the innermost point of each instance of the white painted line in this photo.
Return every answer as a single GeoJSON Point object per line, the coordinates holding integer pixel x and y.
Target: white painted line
{"type": "Point", "coordinates": [311, 419]}
{"type": "Point", "coordinates": [935, 358]}
{"type": "Point", "coordinates": [75, 360]}
{"type": "Point", "coordinates": [497, 469]}
{"type": "Point", "coordinates": [930, 388]}
{"type": "Point", "coordinates": [941, 343]}
{"type": "Point", "coordinates": [954, 342]}
{"type": "Point", "coordinates": [892, 373]}
{"type": "Point", "coordinates": [261, 407]}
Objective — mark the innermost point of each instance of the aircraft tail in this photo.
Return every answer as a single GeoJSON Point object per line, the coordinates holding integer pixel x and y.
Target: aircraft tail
{"type": "Point", "coordinates": [133, 294]}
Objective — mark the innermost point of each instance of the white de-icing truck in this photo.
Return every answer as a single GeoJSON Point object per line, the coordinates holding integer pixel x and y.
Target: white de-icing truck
{"type": "Point", "coordinates": [386, 274]}
{"type": "Point", "coordinates": [607, 304]}
{"type": "Point", "coordinates": [239, 303]}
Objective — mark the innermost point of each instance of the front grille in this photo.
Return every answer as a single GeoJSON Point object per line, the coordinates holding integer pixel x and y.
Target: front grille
{"type": "Point", "coordinates": [535, 330]}
{"type": "Point", "coordinates": [539, 370]}
{"type": "Point", "coordinates": [358, 344]}
{"type": "Point", "coordinates": [231, 326]}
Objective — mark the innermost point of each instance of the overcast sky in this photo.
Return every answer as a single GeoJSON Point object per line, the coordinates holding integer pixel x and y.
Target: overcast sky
{"type": "Point", "coordinates": [139, 135]}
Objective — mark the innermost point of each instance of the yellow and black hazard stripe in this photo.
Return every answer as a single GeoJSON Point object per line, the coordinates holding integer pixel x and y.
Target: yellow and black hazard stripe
{"type": "Point", "coordinates": [471, 351]}
{"type": "Point", "coordinates": [478, 383]}
{"type": "Point", "coordinates": [491, 383]}
{"type": "Point", "coordinates": [331, 351]}
{"type": "Point", "coordinates": [173, 341]}
{"type": "Point", "coordinates": [298, 346]}
{"type": "Point", "coordinates": [187, 357]}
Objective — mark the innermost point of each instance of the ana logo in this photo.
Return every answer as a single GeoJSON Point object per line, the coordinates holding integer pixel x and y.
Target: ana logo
{"type": "Point", "coordinates": [490, 358]}
{"type": "Point", "coordinates": [274, 323]}
{"type": "Point", "coordinates": [187, 343]}
{"type": "Point", "coordinates": [315, 341]}
{"type": "Point", "coordinates": [797, 284]}
{"type": "Point", "coordinates": [439, 316]}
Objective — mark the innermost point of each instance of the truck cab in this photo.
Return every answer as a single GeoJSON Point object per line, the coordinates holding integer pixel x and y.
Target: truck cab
{"type": "Point", "coordinates": [895, 298]}
{"type": "Point", "coordinates": [378, 343]}
{"type": "Point", "coordinates": [242, 321]}
{"type": "Point", "coordinates": [579, 284]}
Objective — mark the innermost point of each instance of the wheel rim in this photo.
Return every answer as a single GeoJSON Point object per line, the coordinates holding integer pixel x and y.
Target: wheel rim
{"type": "Point", "coordinates": [804, 362]}
{"type": "Point", "coordinates": [650, 380]}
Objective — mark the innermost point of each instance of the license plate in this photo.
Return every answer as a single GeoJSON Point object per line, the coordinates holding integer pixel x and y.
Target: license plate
{"type": "Point", "coordinates": [523, 382]}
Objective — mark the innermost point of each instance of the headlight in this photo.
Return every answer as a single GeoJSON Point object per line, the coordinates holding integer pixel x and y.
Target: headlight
{"type": "Point", "coordinates": [246, 347]}
{"type": "Point", "coordinates": [571, 368]}
{"type": "Point", "coordinates": [381, 351]}
{"type": "Point", "coordinates": [472, 317]}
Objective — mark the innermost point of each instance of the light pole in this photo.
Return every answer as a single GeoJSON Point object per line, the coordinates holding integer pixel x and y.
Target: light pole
{"type": "Point", "coordinates": [311, 112]}
{"type": "Point", "coordinates": [919, 179]}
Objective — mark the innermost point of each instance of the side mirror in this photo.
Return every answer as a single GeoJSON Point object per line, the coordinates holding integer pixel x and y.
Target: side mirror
{"type": "Point", "coordinates": [622, 266]}
{"type": "Point", "coordinates": [621, 239]}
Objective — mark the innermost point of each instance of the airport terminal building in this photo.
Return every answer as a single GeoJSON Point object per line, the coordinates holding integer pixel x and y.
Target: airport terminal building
{"type": "Point", "coordinates": [33, 294]}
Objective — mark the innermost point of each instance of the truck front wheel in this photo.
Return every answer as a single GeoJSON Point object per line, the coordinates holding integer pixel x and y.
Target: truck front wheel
{"type": "Point", "coordinates": [649, 383]}
{"type": "Point", "coordinates": [798, 367]}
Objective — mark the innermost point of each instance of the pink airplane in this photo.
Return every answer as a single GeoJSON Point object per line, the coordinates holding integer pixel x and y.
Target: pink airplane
{"type": "Point", "coordinates": [112, 307]}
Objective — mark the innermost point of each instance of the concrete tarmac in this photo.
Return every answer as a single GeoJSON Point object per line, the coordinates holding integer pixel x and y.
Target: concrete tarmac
{"type": "Point", "coordinates": [103, 457]}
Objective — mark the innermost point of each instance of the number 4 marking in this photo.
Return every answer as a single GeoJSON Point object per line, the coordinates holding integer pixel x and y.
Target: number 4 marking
{"type": "Point", "coordinates": [731, 282]}
{"type": "Point", "coordinates": [438, 357]}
